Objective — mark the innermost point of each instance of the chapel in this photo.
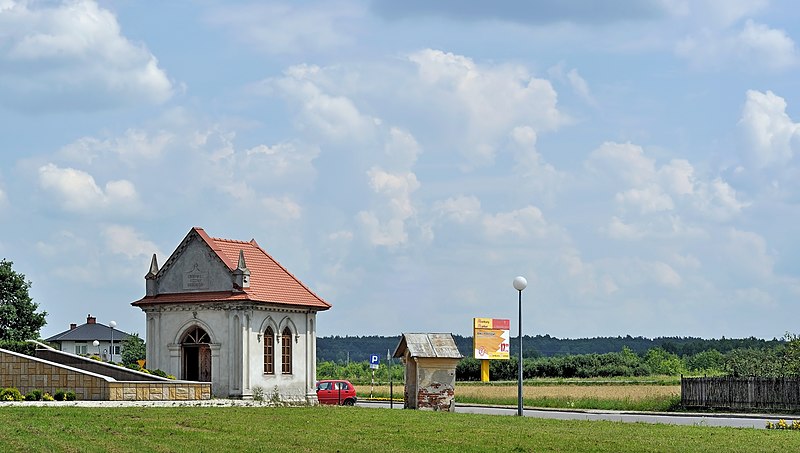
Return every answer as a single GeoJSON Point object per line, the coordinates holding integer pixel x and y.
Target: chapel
{"type": "Point", "coordinates": [224, 311]}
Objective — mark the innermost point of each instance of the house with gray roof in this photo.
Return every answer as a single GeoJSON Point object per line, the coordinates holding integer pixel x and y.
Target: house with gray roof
{"type": "Point", "coordinates": [79, 339]}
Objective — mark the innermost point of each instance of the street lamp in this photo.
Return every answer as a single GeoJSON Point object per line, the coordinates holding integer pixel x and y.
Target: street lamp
{"type": "Point", "coordinates": [96, 344]}
{"type": "Point", "coordinates": [519, 284]}
{"type": "Point", "coordinates": [112, 324]}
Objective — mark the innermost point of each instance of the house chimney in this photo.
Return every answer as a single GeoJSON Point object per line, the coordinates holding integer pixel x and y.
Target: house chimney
{"type": "Point", "coordinates": [90, 319]}
{"type": "Point", "coordinates": [72, 326]}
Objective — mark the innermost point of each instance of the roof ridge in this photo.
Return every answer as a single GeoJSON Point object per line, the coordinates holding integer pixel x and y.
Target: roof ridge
{"type": "Point", "coordinates": [236, 241]}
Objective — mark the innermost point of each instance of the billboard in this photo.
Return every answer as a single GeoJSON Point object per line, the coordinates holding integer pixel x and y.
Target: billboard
{"type": "Point", "coordinates": [491, 339]}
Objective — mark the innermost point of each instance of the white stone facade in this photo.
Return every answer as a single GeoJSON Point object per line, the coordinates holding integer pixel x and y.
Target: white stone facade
{"type": "Point", "coordinates": [237, 347]}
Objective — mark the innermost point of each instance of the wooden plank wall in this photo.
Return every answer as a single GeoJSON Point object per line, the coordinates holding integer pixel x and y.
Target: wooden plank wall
{"type": "Point", "coordinates": [744, 393]}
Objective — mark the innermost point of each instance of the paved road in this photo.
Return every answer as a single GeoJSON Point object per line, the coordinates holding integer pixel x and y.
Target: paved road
{"type": "Point", "coordinates": [732, 420]}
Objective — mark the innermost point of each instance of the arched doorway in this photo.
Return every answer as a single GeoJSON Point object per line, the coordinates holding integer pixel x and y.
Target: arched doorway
{"type": "Point", "coordinates": [196, 354]}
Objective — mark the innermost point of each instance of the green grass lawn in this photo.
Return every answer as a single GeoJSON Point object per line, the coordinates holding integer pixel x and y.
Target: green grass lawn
{"type": "Point", "coordinates": [352, 429]}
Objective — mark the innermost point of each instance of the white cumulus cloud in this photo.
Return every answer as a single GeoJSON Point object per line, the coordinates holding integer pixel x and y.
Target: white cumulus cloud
{"type": "Point", "coordinates": [460, 209]}
{"type": "Point", "coordinates": [385, 225]}
{"type": "Point", "coordinates": [283, 208]}
{"type": "Point", "coordinates": [132, 147]}
{"type": "Point", "coordinates": [485, 102]}
{"type": "Point", "coordinates": [125, 240]}
{"type": "Point", "coordinates": [528, 222]}
{"type": "Point", "coordinates": [331, 116]}
{"type": "Point", "coordinates": [753, 46]}
{"type": "Point", "coordinates": [78, 191]}
{"type": "Point", "coordinates": [71, 55]}
{"type": "Point", "coordinates": [772, 136]}
{"type": "Point", "coordinates": [658, 197]}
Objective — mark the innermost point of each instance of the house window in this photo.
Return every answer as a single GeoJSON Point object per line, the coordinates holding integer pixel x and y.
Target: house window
{"type": "Point", "coordinates": [80, 349]}
{"type": "Point", "coordinates": [269, 351]}
{"type": "Point", "coordinates": [286, 351]}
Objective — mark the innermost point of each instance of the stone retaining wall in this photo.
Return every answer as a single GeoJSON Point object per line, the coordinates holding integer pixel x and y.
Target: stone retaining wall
{"type": "Point", "coordinates": [159, 391]}
{"type": "Point", "coordinates": [28, 373]}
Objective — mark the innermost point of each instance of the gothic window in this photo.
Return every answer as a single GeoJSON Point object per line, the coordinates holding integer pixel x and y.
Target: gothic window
{"type": "Point", "coordinates": [196, 336]}
{"type": "Point", "coordinates": [286, 351]}
{"type": "Point", "coordinates": [269, 351]}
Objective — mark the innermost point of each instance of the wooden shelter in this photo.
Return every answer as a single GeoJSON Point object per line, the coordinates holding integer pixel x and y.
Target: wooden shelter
{"type": "Point", "coordinates": [430, 360]}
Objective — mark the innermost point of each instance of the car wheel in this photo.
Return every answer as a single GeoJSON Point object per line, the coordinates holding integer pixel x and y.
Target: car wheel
{"type": "Point", "coordinates": [348, 402]}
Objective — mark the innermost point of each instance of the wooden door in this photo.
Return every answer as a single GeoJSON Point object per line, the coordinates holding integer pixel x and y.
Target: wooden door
{"type": "Point", "coordinates": [205, 363]}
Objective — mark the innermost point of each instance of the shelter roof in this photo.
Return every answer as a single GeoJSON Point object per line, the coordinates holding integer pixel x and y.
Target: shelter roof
{"type": "Point", "coordinates": [428, 345]}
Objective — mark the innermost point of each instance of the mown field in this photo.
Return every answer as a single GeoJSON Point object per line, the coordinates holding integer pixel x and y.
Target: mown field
{"type": "Point", "coordinates": [583, 394]}
{"type": "Point", "coordinates": [352, 429]}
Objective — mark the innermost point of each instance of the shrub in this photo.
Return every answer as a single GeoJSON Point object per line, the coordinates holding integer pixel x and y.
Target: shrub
{"type": "Point", "coordinates": [161, 373]}
{"type": "Point", "coordinates": [33, 395]}
{"type": "Point", "coordinates": [70, 396]}
{"type": "Point", "coordinates": [781, 424]}
{"type": "Point", "coordinates": [10, 394]}
{"type": "Point", "coordinates": [47, 397]}
{"type": "Point", "coordinates": [60, 395]}
{"type": "Point", "coordinates": [258, 393]}
{"type": "Point", "coordinates": [22, 347]}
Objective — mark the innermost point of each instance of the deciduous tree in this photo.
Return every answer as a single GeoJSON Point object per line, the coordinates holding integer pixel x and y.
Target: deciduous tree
{"type": "Point", "coordinates": [19, 320]}
{"type": "Point", "coordinates": [133, 349]}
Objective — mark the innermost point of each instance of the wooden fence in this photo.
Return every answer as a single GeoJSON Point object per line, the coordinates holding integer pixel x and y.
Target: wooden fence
{"type": "Point", "coordinates": [745, 393]}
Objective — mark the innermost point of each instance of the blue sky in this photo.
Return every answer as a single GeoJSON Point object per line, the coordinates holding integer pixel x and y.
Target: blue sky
{"type": "Point", "coordinates": [636, 162]}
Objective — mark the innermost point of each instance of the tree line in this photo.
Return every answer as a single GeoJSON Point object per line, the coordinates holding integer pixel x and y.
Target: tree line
{"type": "Point", "coordinates": [358, 348]}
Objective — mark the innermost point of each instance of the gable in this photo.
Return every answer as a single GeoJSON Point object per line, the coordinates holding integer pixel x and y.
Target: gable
{"type": "Point", "coordinates": [194, 268]}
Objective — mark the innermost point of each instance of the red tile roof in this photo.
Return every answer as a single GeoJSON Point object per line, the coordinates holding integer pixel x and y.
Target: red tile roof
{"type": "Point", "coordinates": [270, 282]}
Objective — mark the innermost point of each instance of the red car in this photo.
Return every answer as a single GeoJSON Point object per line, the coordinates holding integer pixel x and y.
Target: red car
{"type": "Point", "coordinates": [336, 391]}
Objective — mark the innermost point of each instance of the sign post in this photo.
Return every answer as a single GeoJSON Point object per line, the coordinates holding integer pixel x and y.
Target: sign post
{"type": "Point", "coordinates": [374, 361]}
{"type": "Point", "coordinates": [391, 388]}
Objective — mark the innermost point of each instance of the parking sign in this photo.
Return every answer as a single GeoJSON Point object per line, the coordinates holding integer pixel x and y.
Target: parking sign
{"type": "Point", "coordinates": [374, 360]}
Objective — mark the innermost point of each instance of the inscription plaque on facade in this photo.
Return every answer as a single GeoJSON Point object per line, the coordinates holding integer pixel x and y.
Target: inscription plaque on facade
{"type": "Point", "coordinates": [195, 279]}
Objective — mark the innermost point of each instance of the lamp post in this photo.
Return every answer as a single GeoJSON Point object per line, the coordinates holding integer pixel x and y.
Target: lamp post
{"type": "Point", "coordinates": [519, 284]}
{"type": "Point", "coordinates": [96, 344]}
{"type": "Point", "coordinates": [112, 324]}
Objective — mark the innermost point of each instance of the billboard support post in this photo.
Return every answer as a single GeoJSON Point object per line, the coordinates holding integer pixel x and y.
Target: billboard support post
{"type": "Point", "coordinates": [484, 370]}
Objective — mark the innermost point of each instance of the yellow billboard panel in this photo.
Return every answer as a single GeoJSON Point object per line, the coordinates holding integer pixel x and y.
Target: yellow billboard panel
{"type": "Point", "coordinates": [491, 339]}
